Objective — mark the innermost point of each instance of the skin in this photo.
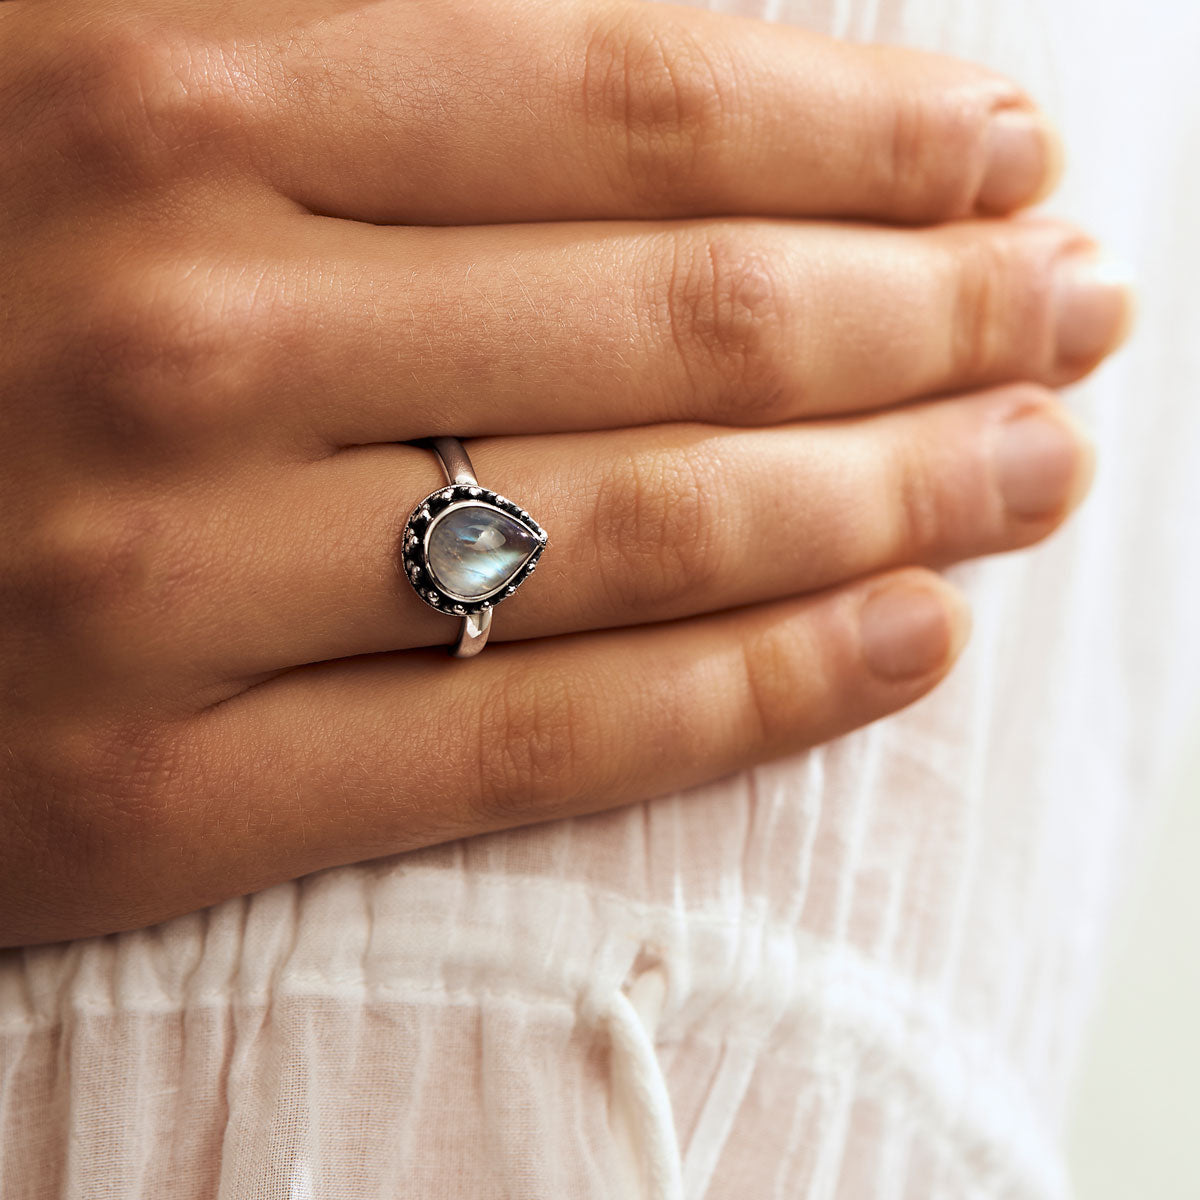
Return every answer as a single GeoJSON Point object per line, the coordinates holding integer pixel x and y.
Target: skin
{"type": "Point", "coordinates": [741, 314]}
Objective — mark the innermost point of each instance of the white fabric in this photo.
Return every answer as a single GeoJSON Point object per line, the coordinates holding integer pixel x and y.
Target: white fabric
{"type": "Point", "coordinates": [858, 973]}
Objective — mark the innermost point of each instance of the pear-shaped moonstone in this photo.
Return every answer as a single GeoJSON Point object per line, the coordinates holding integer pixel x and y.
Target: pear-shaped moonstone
{"type": "Point", "coordinates": [475, 550]}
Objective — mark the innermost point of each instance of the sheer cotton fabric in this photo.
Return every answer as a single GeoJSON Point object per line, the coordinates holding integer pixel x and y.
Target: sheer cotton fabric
{"type": "Point", "coordinates": [860, 973]}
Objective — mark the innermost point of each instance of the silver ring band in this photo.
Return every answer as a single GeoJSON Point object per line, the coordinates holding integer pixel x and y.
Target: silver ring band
{"type": "Point", "coordinates": [465, 548]}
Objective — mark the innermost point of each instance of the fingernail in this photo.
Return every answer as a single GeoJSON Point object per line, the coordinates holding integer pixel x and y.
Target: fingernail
{"type": "Point", "coordinates": [906, 631]}
{"type": "Point", "coordinates": [1024, 161]}
{"type": "Point", "coordinates": [1093, 307]}
{"type": "Point", "coordinates": [1037, 459]}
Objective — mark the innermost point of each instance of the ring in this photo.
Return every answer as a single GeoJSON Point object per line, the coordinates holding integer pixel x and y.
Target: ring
{"type": "Point", "coordinates": [466, 548]}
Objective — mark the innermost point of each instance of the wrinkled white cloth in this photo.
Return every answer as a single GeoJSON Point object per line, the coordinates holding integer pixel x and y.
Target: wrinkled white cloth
{"type": "Point", "coordinates": [861, 972]}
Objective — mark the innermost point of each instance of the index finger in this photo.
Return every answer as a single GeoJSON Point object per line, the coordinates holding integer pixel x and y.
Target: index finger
{"type": "Point", "coordinates": [417, 111]}
{"type": "Point", "coordinates": [554, 111]}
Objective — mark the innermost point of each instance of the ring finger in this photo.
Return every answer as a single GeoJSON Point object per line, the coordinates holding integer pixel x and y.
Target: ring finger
{"type": "Point", "coordinates": [644, 525]}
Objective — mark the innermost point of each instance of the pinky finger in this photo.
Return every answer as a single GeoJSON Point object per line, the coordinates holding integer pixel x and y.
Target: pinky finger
{"type": "Point", "coordinates": [351, 759]}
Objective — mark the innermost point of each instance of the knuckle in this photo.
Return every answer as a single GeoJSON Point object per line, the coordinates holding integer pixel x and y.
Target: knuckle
{"type": "Point", "coordinates": [664, 97]}
{"type": "Point", "coordinates": [723, 309]}
{"type": "Point", "coordinates": [152, 358]}
{"type": "Point", "coordinates": [937, 497]}
{"type": "Point", "coordinates": [89, 562]}
{"type": "Point", "coordinates": [107, 579]}
{"type": "Point", "coordinates": [923, 508]}
{"type": "Point", "coordinates": [774, 661]}
{"type": "Point", "coordinates": [993, 324]}
{"type": "Point", "coordinates": [535, 745]}
{"type": "Point", "coordinates": [112, 582]}
{"type": "Point", "coordinates": [933, 143]}
{"type": "Point", "coordinates": [128, 95]}
{"type": "Point", "coordinates": [657, 526]}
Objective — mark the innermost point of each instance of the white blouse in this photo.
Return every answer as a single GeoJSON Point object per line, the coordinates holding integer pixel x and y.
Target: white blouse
{"type": "Point", "coordinates": [861, 972]}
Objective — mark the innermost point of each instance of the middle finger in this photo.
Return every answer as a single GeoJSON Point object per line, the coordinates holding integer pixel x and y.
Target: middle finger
{"type": "Point", "coordinates": [404, 334]}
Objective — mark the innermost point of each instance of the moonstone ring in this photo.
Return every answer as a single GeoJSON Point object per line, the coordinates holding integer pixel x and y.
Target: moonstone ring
{"type": "Point", "coordinates": [466, 548]}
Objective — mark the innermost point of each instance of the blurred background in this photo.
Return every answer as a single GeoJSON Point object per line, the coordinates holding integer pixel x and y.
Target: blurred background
{"type": "Point", "coordinates": [1136, 1125]}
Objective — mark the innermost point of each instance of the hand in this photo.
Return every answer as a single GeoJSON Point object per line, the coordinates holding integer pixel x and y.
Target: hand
{"type": "Point", "coordinates": [224, 305]}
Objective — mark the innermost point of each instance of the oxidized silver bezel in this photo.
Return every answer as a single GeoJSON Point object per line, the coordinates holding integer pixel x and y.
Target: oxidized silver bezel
{"type": "Point", "coordinates": [414, 542]}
